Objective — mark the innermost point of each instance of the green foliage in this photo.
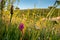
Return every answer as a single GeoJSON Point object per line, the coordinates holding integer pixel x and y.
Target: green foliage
{"type": "Point", "coordinates": [9, 33]}
{"type": "Point", "coordinates": [13, 33]}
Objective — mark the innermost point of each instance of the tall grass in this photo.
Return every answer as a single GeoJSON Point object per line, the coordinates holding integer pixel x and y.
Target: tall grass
{"type": "Point", "coordinates": [47, 30]}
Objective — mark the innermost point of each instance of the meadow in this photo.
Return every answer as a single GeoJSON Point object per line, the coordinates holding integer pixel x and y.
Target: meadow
{"type": "Point", "coordinates": [34, 26]}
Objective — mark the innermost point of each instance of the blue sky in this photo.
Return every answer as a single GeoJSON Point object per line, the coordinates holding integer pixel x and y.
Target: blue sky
{"type": "Point", "coordinates": [25, 4]}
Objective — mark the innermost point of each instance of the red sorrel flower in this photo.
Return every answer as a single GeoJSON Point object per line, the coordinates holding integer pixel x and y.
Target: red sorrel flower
{"type": "Point", "coordinates": [21, 26]}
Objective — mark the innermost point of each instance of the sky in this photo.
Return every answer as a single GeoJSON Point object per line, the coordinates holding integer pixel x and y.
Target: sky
{"type": "Point", "coordinates": [25, 4]}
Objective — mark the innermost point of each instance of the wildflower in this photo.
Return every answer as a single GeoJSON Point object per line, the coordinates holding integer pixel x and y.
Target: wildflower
{"type": "Point", "coordinates": [21, 26]}
{"type": "Point", "coordinates": [37, 27]}
{"type": "Point", "coordinates": [11, 12]}
{"type": "Point", "coordinates": [58, 18]}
